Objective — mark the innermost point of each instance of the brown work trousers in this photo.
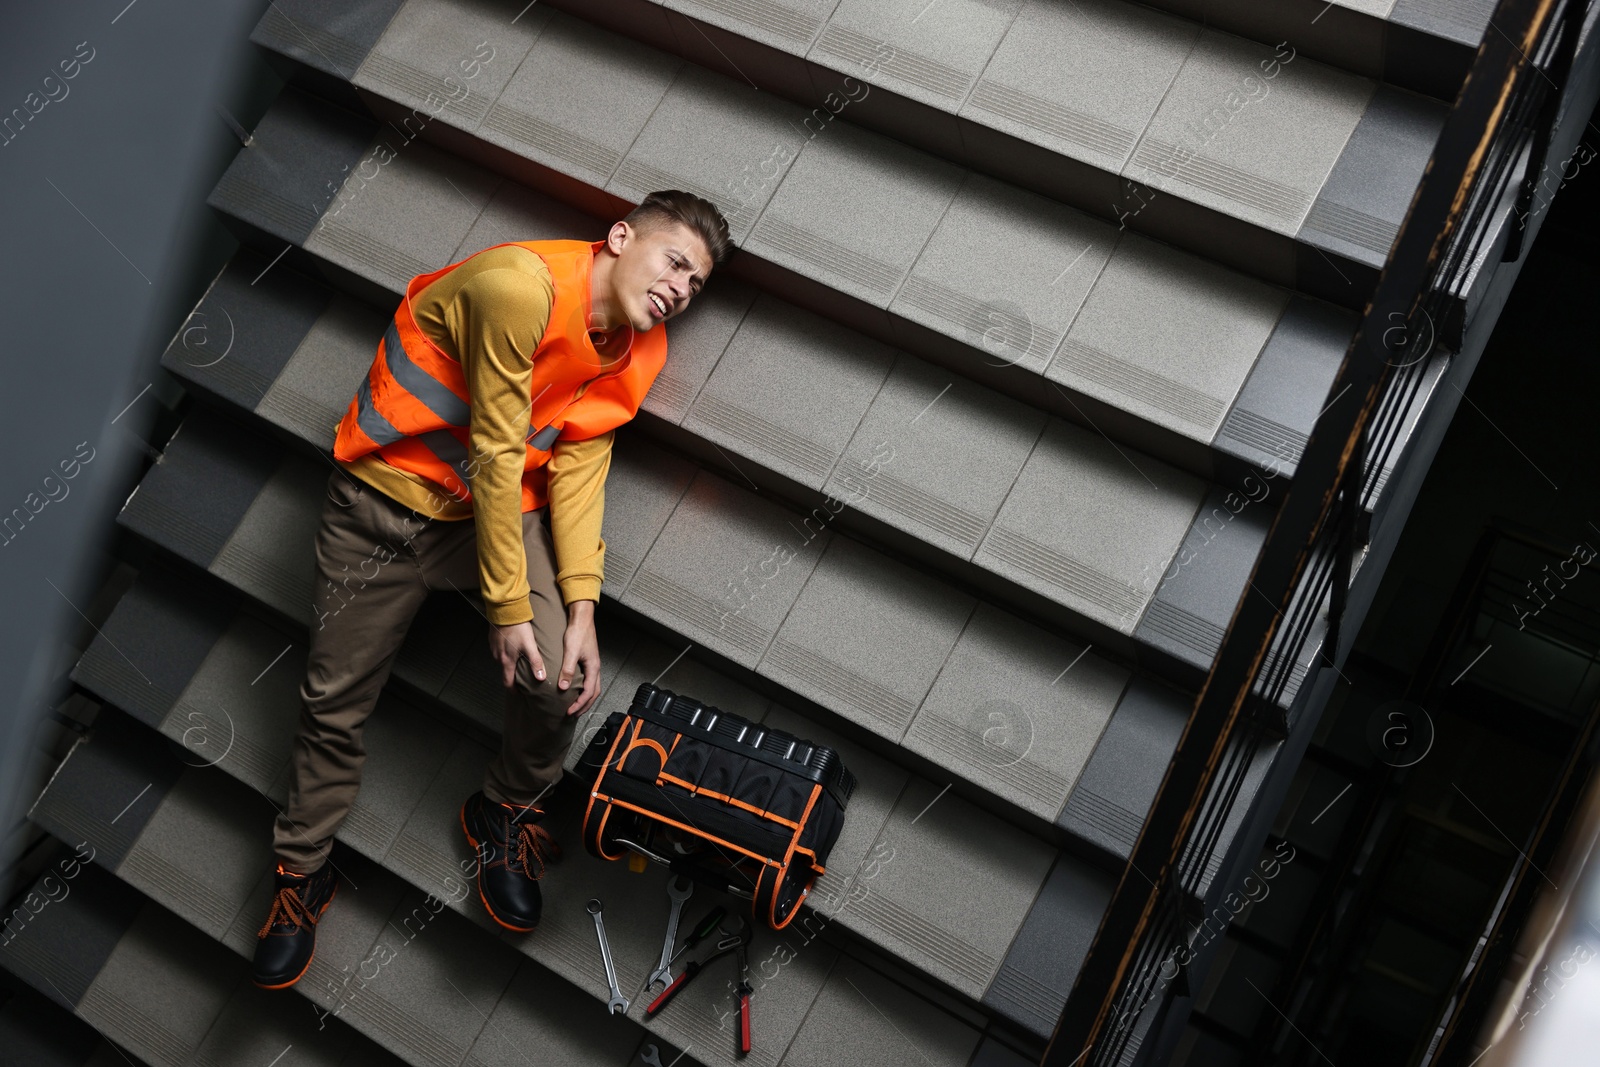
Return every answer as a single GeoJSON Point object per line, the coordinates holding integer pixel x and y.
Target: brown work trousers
{"type": "Point", "coordinates": [357, 627]}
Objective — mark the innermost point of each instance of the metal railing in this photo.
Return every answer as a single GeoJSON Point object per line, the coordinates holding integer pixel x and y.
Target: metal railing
{"type": "Point", "coordinates": [1306, 563]}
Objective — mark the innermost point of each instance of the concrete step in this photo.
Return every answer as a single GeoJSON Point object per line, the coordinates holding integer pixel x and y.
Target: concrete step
{"type": "Point", "coordinates": [221, 654]}
{"type": "Point", "coordinates": [1244, 149]}
{"type": "Point", "coordinates": [411, 1006]}
{"type": "Point", "coordinates": [1131, 115]}
{"type": "Point", "coordinates": [997, 754]}
{"type": "Point", "coordinates": [36, 1032]}
{"type": "Point", "coordinates": [876, 649]}
{"type": "Point", "coordinates": [1160, 350]}
{"type": "Point", "coordinates": [806, 404]}
{"type": "Point", "coordinates": [159, 988]}
{"type": "Point", "coordinates": [1424, 45]}
{"type": "Point", "coordinates": [407, 821]}
{"type": "Point", "coordinates": [934, 468]}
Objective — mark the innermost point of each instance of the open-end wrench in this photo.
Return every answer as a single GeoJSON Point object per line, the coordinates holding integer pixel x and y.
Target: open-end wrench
{"type": "Point", "coordinates": [618, 1004]}
{"type": "Point", "coordinates": [662, 975]}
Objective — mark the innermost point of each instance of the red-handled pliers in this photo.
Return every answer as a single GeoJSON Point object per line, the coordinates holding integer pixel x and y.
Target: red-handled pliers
{"type": "Point", "coordinates": [736, 945]}
{"type": "Point", "coordinates": [741, 954]}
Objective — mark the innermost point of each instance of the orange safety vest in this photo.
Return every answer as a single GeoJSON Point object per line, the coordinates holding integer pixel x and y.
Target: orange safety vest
{"type": "Point", "coordinates": [413, 408]}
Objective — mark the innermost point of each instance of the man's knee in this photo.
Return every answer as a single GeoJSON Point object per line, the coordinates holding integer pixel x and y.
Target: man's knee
{"type": "Point", "coordinates": [543, 702]}
{"type": "Point", "coordinates": [545, 696]}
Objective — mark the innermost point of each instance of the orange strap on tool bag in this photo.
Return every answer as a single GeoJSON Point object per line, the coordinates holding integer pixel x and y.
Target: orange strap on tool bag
{"type": "Point", "coordinates": [716, 797]}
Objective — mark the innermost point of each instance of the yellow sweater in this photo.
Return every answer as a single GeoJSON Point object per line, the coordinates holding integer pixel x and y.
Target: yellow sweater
{"type": "Point", "coordinates": [490, 314]}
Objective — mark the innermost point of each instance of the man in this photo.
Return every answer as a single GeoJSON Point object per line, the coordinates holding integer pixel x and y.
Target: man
{"type": "Point", "coordinates": [524, 357]}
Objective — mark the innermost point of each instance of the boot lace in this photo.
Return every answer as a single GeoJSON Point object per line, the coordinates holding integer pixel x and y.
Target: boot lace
{"type": "Point", "coordinates": [288, 908]}
{"type": "Point", "coordinates": [533, 847]}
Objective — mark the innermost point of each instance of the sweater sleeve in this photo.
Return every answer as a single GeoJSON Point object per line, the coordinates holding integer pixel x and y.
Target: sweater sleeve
{"type": "Point", "coordinates": [577, 506]}
{"type": "Point", "coordinates": [497, 319]}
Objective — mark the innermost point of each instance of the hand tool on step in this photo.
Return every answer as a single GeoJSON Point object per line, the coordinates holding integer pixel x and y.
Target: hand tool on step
{"type": "Point", "coordinates": [618, 1004]}
{"type": "Point", "coordinates": [705, 928]}
{"type": "Point", "coordinates": [741, 955]}
{"type": "Point", "coordinates": [651, 1056]}
{"type": "Point", "coordinates": [662, 975]}
{"type": "Point", "coordinates": [735, 944]}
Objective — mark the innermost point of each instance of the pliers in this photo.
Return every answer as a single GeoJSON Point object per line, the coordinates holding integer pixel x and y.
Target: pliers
{"type": "Point", "coordinates": [736, 945]}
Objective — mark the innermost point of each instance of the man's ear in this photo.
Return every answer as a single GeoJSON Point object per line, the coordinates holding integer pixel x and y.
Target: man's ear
{"type": "Point", "coordinates": [621, 233]}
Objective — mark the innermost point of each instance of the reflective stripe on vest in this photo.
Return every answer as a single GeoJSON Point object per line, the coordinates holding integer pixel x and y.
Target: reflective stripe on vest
{"type": "Point", "coordinates": [419, 383]}
{"type": "Point", "coordinates": [439, 400]}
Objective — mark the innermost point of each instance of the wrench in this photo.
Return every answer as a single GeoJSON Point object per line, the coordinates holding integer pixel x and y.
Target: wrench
{"type": "Point", "coordinates": [651, 1056]}
{"type": "Point", "coordinates": [618, 1004]}
{"type": "Point", "coordinates": [662, 975]}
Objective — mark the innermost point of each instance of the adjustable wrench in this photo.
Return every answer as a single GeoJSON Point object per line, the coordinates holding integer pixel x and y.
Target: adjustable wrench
{"type": "Point", "coordinates": [662, 975]}
{"type": "Point", "coordinates": [618, 1004]}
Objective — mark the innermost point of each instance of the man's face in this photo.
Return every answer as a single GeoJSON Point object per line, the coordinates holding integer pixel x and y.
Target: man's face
{"type": "Point", "coordinates": [657, 272]}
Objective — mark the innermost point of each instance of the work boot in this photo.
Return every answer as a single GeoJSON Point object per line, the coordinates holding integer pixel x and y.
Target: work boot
{"type": "Point", "coordinates": [512, 850]}
{"type": "Point", "coordinates": [288, 939]}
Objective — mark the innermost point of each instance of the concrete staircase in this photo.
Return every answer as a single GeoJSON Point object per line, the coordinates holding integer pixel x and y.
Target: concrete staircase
{"type": "Point", "coordinates": [1049, 295]}
{"type": "Point", "coordinates": [783, 400]}
{"type": "Point", "coordinates": [153, 954]}
{"type": "Point", "coordinates": [37, 1032]}
{"type": "Point", "coordinates": [958, 929]}
{"type": "Point", "coordinates": [184, 825]}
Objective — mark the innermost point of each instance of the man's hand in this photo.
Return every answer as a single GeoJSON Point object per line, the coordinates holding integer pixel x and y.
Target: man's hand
{"type": "Point", "coordinates": [579, 647]}
{"type": "Point", "coordinates": [508, 643]}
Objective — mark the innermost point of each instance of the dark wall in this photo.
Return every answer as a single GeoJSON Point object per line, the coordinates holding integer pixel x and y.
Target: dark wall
{"type": "Point", "coordinates": [105, 243]}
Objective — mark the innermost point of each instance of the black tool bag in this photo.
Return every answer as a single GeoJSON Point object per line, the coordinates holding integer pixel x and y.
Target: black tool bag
{"type": "Point", "coordinates": [716, 797]}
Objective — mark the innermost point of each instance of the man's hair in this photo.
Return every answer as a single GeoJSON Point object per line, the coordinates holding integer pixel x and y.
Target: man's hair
{"type": "Point", "coordinates": [668, 206]}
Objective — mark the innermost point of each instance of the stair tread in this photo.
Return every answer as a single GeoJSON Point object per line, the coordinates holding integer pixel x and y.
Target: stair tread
{"type": "Point", "coordinates": [813, 645]}
{"type": "Point", "coordinates": [271, 569]}
{"type": "Point", "coordinates": [963, 449]}
{"type": "Point", "coordinates": [39, 1033]}
{"type": "Point", "coordinates": [1040, 72]}
{"type": "Point", "coordinates": [1021, 749]}
{"type": "Point", "coordinates": [1037, 72]}
{"type": "Point", "coordinates": [161, 989]}
{"type": "Point", "coordinates": [843, 216]}
{"type": "Point", "coordinates": [791, 24]}
{"type": "Point", "coordinates": [172, 994]}
{"type": "Point", "coordinates": [412, 1007]}
{"type": "Point", "coordinates": [408, 823]}
{"type": "Point", "coordinates": [1163, 362]}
